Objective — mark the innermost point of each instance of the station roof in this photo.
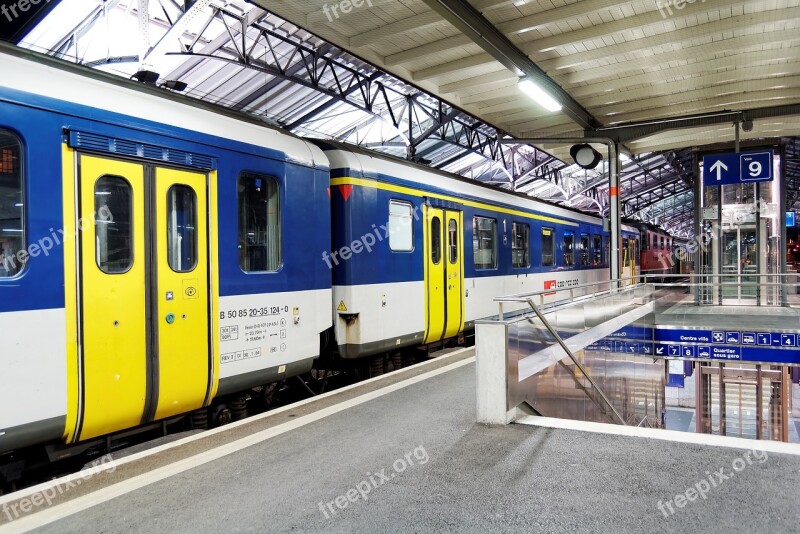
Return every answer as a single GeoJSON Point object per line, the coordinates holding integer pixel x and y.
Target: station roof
{"type": "Point", "coordinates": [437, 80]}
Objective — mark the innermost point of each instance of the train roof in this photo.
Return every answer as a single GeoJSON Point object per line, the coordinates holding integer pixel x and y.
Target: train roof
{"type": "Point", "coordinates": [39, 74]}
{"type": "Point", "coordinates": [376, 163]}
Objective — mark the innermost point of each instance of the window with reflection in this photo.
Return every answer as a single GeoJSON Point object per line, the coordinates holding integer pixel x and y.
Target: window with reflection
{"type": "Point", "coordinates": [569, 249]}
{"type": "Point", "coordinates": [484, 242]}
{"type": "Point", "coordinates": [520, 245]}
{"type": "Point", "coordinates": [548, 247]}
{"type": "Point", "coordinates": [12, 206]}
{"type": "Point", "coordinates": [584, 249]}
{"type": "Point", "coordinates": [597, 250]}
{"type": "Point", "coordinates": [401, 226]}
{"type": "Point", "coordinates": [259, 223]}
{"type": "Point", "coordinates": [113, 220]}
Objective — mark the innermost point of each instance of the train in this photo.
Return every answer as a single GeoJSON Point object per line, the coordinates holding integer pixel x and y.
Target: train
{"type": "Point", "coordinates": [160, 257]}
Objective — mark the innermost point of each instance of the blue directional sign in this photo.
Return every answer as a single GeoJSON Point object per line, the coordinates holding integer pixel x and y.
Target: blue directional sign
{"type": "Point", "coordinates": [703, 351]}
{"type": "Point", "coordinates": [732, 338]}
{"type": "Point", "coordinates": [726, 353]}
{"type": "Point", "coordinates": [674, 350]}
{"type": "Point", "coordinates": [748, 338]}
{"type": "Point", "coordinates": [689, 351]}
{"type": "Point", "coordinates": [718, 337]}
{"type": "Point", "coordinates": [787, 340]}
{"type": "Point", "coordinates": [662, 350]}
{"type": "Point", "coordinates": [733, 168]}
{"type": "Point", "coordinates": [764, 338]}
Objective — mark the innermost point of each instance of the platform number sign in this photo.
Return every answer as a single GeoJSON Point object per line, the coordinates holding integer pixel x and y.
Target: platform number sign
{"type": "Point", "coordinates": [732, 168]}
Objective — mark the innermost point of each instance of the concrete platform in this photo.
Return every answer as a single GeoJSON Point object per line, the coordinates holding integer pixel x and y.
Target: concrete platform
{"type": "Point", "coordinates": [402, 453]}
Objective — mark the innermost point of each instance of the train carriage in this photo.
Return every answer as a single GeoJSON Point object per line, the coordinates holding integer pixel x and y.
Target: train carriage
{"type": "Point", "coordinates": [156, 254]}
{"type": "Point", "coordinates": [418, 255]}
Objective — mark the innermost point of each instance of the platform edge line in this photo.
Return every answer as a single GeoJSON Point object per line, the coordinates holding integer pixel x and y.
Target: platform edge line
{"type": "Point", "coordinates": [61, 511]}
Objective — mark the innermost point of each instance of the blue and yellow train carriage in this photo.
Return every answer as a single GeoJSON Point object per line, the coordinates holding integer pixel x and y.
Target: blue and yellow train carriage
{"type": "Point", "coordinates": [418, 255]}
{"type": "Point", "coordinates": [156, 254]}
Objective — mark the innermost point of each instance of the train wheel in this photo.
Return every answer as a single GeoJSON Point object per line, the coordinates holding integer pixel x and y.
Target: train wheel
{"type": "Point", "coordinates": [376, 367]}
{"type": "Point", "coordinates": [199, 420]}
{"type": "Point", "coordinates": [397, 361]}
{"type": "Point", "coordinates": [239, 408]}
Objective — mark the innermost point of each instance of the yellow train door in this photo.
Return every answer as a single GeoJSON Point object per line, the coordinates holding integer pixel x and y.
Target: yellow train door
{"type": "Point", "coordinates": [143, 294]}
{"type": "Point", "coordinates": [444, 273]}
{"type": "Point", "coordinates": [180, 292]}
{"type": "Point", "coordinates": [454, 274]}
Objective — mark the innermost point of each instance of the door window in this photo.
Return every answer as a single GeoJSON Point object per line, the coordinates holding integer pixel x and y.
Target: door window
{"type": "Point", "coordinates": [113, 218]}
{"type": "Point", "coordinates": [436, 240]}
{"type": "Point", "coordinates": [181, 228]}
{"type": "Point", "coordinates": [452, 232]}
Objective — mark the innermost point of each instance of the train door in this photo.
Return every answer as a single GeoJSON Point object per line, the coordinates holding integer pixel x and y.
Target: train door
{"type": "Point", "coordinates": [143, 294]}
{"type": "Point", "coordinates": [444, 273]}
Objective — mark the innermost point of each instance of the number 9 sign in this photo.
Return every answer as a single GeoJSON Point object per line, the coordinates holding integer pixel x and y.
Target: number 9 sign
{"type": "Point", "coordinates": [756, 167]}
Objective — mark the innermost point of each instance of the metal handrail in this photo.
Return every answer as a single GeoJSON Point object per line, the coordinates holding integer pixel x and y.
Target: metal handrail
{"type": "Point", "coordinates": [572, 357]}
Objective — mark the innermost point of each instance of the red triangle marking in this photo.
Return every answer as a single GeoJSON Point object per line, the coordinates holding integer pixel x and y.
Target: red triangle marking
{"type": "Point", "coordinates": [346, 190]}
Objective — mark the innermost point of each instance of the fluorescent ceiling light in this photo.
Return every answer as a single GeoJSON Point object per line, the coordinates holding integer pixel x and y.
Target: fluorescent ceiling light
{"type": "Point", "coordinates": [539, 95]}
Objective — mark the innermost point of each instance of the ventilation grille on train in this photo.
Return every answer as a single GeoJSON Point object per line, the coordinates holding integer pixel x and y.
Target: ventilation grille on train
{"type": "Point", "coordinates": [121, 147]}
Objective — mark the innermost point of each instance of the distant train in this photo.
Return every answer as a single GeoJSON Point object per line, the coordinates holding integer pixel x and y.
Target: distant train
{"type": "Point", "coordinates": [160, 257]}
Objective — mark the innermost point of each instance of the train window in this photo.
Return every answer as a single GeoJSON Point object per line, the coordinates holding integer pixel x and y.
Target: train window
{"type": "Point", "coordinates": [548, 247]}
{"type": "Point", "coordinates": [452, 245]}
{"type": "Point", "coordinates": [484, 242]}
{"type": "Point", "coordinates": [646, 241]}
{"type": "Point", "coordinates": [584, 249]}
{"type": "Point", "coordinates": [662, 242]}
{"type": "Point", "coordinates": [259, 223]}
{"type": "Point", "coordinates": [113, 208]}
{"type": "Point", "coordinates": [12, 229]}
{"type": "Point", "coordinates": [569, 249]}
{"type": "Point", "coordinates": [436, 240]}
{"type": "Point", "coordinates": [520, 245]}
{"type": "Point", "coordinates": [181, 228]}
{"type": "Point", "coordinates": [598, 250]}
{"type": "Point", "coordinates": [401, 229]}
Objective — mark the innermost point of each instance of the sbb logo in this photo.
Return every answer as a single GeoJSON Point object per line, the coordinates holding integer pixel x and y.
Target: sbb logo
{"type": "Point", "coordinates": [550, 284]}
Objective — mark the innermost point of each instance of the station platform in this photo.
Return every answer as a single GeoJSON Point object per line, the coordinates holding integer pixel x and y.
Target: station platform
{"type": "Point", "coordinates": [402, 453]}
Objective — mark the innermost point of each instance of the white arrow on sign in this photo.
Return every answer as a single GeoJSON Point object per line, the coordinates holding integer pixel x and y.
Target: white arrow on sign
{"type": "Point", "coordinates": [660, 350]}
{"type": "Point", "coordinates": [719, 167]}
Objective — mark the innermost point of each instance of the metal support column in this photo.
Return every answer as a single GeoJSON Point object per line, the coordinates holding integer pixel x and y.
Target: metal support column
{"type": "Point", "coordinates": [613, 209]}
{"type": "Point", "coordinates": [782, 245]}
{"type": "Point", "coordinates": [698, 225]}
{"type": "Point", "coordinates": [786, 395]}
{"type": "Point", "coordinates": [759, 403]}
{"type": "Point", "coordinates": [723, 401]}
